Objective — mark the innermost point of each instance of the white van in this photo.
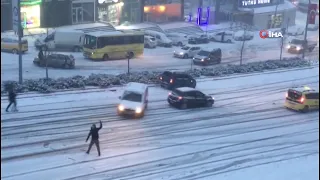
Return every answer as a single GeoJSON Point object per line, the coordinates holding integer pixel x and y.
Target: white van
{"type": "Point", "coordinates": [161, 38]}
{"type": "Point", "coordinates": [150, 42]}
{"type": "Point", "coordinates": [178, 39]}
{"type": "Point", "coordinates": [62, 40]}
{"type": "Point", "coordinates": [134, 100]}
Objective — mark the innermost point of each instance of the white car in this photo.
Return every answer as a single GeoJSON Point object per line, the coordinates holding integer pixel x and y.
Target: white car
{"type": "Point", "coordinates": [295, 31]}
{"type": "Point", "coordinates": [221, 36]}
{"type": "Point", "coordinates": [243, 35]}
{"type": "Point", "coordinates": [186, 52]}
{"type": "Point", "coordinates": [178, 39]}
{"type": "Point", "coordinates": [134, 100]}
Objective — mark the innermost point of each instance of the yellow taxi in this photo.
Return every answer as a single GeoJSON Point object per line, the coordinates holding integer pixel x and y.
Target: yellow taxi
{"type": "Point", "coordinates": [12, 45]}
{"type": "Point", "coordinates": [302, 99]}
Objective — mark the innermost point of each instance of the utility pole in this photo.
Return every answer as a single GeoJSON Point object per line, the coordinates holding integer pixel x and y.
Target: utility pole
{"type": "Point", "coordinates": [46, 58]}
{"type": "Point", "coordinates": [283, 39]}
{"type": "Point", "coordinates": [306, 31]}
{"type": "Point", "coordinates": [17, 27]}
{"type": "Point", "coordinates": [275, 14]}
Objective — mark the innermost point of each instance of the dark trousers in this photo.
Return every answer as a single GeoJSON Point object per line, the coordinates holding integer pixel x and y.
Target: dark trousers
{"type": "Point", "coordinates": [14, 102]}
{"type": "Point", "coordinates": [96, 142]}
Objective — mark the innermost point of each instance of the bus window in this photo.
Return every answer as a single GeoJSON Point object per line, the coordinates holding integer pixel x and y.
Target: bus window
{"type": "Point", "coordinates": [90, 42]}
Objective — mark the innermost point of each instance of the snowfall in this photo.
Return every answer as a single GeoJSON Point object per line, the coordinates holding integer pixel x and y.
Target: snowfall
{"type": "Point", "coordinates": [246, 134]}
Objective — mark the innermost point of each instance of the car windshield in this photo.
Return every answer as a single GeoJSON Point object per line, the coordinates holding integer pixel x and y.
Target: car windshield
{"type": "Point", "coordinates": [90, 42]}
{"type": "Point", "coordinates": [152, 39]}
{"type": "Point", "coordinates": [204, 53]}
{"type": "Point", "coordinates": [132, 96]}
{"type": "Point", "coordinates": [185, 48]}
{"type": "Point", "coordinates": [294, 94]}
{"type": "Point", "coordinates": [296, 41]}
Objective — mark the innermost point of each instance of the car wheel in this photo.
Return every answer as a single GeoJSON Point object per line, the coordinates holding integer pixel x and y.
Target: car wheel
{"type": "Point", "coordinates": [209, 104]}
{"type": "Point", "coordinates": [105, 57]}
{"type": "Point", "coordinates": [66, 66]}
{"type": "Point", "coordinates": [185, 56]}
{"type": "Point", "coordinates": [305, 109]}
{"type": "Point", "coordinates": [14, 51]}
{"type": "Point", "coordinates": [311, 49]}
{"type": "Point", "coordinates": [228, 41]}
{"type": "Point", "coordinates": [184, 106]}
{"type": "Point", "coordinates": [147, 46]}
{"type": "Point", "coordinates": [180, 44]}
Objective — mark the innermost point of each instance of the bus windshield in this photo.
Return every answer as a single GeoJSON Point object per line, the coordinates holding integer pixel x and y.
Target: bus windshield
{"type": "Point", "coordinates": [90, 42]}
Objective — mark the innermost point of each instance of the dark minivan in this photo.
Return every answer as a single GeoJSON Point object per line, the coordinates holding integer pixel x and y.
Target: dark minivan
{"type": "Point", "coordinates": [171, 80]}
{"type": "Point", "coordinates": [208, 57]}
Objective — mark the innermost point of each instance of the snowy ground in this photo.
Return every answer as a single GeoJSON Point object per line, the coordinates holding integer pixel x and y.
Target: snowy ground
{"type": "Point", "coordinates": [247, 134]}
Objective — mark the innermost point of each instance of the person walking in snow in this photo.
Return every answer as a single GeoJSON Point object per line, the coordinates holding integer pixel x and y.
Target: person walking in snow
{"type": "Point", "coordinates": [12, 99]}
{"type": "Point", "coordinates": [94, 133]}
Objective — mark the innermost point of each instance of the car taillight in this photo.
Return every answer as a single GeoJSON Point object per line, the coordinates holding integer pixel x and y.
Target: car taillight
{"type": "Point", "coordinates": [302, 100]}
{"type": "Point", "coordinates": [286, 95]}
{"type": "Point", "coordinates": [170, 93]}
{"type": "Point", "coordinates": [179, 97]}
{"type": "Point", "coordinates": [160, 78]}
{"type": "Point", "coordinates": [171, 80]}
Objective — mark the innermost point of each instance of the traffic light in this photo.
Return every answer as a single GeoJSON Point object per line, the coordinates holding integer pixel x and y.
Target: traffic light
{"type": "Point", "coordinates": [312, 10]}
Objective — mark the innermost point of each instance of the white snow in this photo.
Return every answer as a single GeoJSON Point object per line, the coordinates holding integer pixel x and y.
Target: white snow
{"type": "Point", "coordinates": [248, 134]}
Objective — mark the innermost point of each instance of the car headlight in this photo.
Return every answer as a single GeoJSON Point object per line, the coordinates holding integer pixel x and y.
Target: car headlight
{"type": "Point", "coordinates": [298, 48]}
{"type": "Point", "coordinates": [181, 53]}
{"type": "Point", "coordinates": [120, 107]}
{"type": "Point", "coordinates": [138, 110]}
{"type": "Point", "coordinates": [91, 52]}
{"type": "Point", "coordinates": [202, 60]}
{"type": "Point", "coordinates": [288, 46]}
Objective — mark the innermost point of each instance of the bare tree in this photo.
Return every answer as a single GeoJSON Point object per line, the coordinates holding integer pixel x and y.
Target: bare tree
{"type": "Point", "coordinates": [243, 39]}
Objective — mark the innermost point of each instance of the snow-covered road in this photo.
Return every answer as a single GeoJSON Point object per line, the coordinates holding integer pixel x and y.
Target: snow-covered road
{"type": "Point", "coordinates": [247, 134]}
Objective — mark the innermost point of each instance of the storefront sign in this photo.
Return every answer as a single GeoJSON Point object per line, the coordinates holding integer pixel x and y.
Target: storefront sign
{"type": "Point", "coordinates": [254, 3]}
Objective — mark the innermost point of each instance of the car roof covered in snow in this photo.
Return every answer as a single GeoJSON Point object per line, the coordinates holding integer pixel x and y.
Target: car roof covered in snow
{"type": "Point", "coordinates": [185, 89]}
{"type": "Point", "coordinates": [136, 87]}
{"type": "Point", "coordinates": [303, 89]}
{"type": "Point", "coordinates": [114, 33]}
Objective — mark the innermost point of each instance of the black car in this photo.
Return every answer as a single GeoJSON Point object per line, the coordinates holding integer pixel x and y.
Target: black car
{"type": "Point", "coordinates": [171, 80]}
{"type": "Point", "coordinates": [56, 61]}
{"type": "Point", "coordinates": [208, 57]}
{"type": "Point", "coordinates": [202, 39]}
{"type": "Point", "coordinates": [186, 97]}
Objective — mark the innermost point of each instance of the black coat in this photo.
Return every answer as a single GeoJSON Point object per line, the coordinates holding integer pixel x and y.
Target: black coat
{"type": "Point", "coordinates": [94, 133]}
{"type": "Point", "coordinates": [40, 55]}
{"type": "Point", "coordinates": [12, 96]}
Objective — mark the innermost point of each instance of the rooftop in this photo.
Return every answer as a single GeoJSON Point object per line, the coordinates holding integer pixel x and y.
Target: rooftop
{"type": "Point", "coordinates": [185, 89]}
{"type": "Point", "coordinates": [112, 33]}
{"type": "Point", "coordinates": [136, 87]}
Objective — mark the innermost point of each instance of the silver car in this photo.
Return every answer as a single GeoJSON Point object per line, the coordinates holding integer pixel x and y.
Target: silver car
{"type": "Point", "coordinates": [186, 52]}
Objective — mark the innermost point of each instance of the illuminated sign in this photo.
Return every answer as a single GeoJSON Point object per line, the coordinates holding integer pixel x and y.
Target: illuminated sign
{"type": "Point", "coordinates": [254, 3]}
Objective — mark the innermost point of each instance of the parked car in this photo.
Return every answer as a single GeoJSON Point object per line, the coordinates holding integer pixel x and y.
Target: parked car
{"type": "Point", "coordinates": [243, 35]}
{"type": "Point", "coordinates": [222, 36]}
{"type": "Point", "coordinates": [172, 79]}
{"type": "Point", "coordinates": [56, 61]}
{"type": "Point", "coordinates": [295, 31]}
{"type": "Point", "coordinates": [161, 38]}
{"type": "Point", "coordinates": [186, 97]}
{"type": "Point", "coordinates": [208, 57]}
{"type": "Point", "coordinates": [150, 42]}
{"type": "Point", "coordinates": [186, 52]}
{"type": "Point", "coordinates": [299, 45]}
{"type": "Point", "coordinates": [198, 39]}
{"type": "Point", "coordinates": [313, 27]}
{"type": "Point", "coordinates": [178, 39]}
{"type": "Point", "coordinates": [12, 45]}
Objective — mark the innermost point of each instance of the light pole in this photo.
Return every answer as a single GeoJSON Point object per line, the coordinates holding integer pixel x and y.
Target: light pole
{"type": "Point", "coordinates": [306, 31]}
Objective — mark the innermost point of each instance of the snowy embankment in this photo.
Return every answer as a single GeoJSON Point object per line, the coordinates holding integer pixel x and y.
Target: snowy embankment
{"type": "Point", "coordinates": [105, 80]}
{"type": "Point", "coordinates": [247, 134]}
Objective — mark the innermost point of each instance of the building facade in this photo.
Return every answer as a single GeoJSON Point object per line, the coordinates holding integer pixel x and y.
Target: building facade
{"type": "Point", "coordinates": [49, 13]}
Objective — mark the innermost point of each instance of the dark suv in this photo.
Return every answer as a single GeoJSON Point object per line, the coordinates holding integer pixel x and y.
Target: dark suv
{"type": "Point", "coordinates": [171, 80]}
{"type": "Point", "coordinates": [186, 97]}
